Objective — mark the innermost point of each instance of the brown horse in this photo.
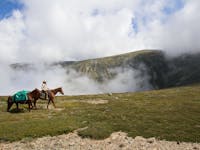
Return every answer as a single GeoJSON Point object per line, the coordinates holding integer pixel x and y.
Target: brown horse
{"type": "Point", "coordinates": [51, 96]}
{"type": "Point", "coordinates": [35, 94]}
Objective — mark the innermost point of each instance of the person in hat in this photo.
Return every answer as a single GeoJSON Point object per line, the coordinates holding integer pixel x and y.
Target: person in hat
{"type": "Point", "coordinates": [45, 89]}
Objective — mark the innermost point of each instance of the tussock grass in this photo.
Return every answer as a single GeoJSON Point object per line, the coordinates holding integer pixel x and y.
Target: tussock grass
{"type": "Point", "coordinates": [171, 114]}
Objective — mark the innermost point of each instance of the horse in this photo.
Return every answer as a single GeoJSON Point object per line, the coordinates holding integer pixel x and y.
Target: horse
{"type": "Point", "coordinates": [35, 94]}
{"type": "Point", "coordinates": [51, 96]}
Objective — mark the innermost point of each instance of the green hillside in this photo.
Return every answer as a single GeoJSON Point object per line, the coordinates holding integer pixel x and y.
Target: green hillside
{"type": "Point", "coordinates": [164, 72]}
{"type": "Point", "coordinates": [100, 69]}
{"type": "Point", "coordinates": [183, 70]}
{"type": "Point", "coordinates": [171, 114]}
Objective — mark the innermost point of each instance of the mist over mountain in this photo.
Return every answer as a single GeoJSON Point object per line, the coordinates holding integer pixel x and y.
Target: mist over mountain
{"type": "Point", "coordinates": [162, 71]}
{"type": "Point", "coordinates": [135, 71]}
{"type": "Point", "coordinates": [45, 40]}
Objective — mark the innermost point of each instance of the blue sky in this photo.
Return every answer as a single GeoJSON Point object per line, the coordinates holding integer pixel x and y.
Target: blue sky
{"type": "Point", "coordinates": [173, 7]}
{"type": "Point", "coordinates": [7, 6]}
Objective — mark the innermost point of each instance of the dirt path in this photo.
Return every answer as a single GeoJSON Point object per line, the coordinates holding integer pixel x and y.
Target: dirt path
{"type": "Point", "coordinates": [92, 101]}
{"type": "Point", "coordinates": [117, 140]}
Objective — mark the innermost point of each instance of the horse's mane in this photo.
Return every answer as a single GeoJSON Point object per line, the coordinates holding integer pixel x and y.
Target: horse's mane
{"type": "Point", "coordinates": [59, 89]}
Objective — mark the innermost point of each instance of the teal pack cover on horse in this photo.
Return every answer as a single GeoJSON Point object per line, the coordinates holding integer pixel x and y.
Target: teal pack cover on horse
{"type": "Point", "coordinates": [20, 96]}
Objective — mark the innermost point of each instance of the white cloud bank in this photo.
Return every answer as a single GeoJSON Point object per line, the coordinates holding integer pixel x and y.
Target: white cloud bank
{"type": "Point", "coordinates": [75, 30]}
{"type": "Point", "coordinates": [72, 82]}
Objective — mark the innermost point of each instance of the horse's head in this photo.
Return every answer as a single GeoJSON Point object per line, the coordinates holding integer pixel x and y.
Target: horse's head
{"type": "Point", "coordinates": [61, 91]}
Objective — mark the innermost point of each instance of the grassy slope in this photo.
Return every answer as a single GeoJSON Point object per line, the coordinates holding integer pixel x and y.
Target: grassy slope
{"type": "Point", "coordinates": [171, 114]}
{"type": "Point", "coordinates": [99, 69]}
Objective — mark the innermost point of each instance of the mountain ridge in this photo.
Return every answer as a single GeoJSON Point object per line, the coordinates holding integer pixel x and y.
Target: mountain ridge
{"type": "Point", "coordinates": [163, 72]}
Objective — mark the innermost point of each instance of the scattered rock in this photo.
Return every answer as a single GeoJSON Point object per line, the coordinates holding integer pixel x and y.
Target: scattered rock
{"type": "Point", "coordinates": [139, 138]}
{"type": "Point", "coordinates": [109, 94]}
{"type": "Point", "coordinates": [81, 129]}
{"type": "Point", "coordinates": [151, 140]}
{"type": "Point", "coordinates": [83, 122]}
{"type": "Point", "coordinates": [121, 145]}
{"type": "Point", "coordinates": [71, 144]}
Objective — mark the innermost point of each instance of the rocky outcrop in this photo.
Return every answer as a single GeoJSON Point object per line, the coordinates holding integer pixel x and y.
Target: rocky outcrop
{"type": "Point", "coordinates": [117, 140]}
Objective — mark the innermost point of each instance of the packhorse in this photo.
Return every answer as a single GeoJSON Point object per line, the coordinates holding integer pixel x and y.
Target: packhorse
{"type": "Point", "coordinates": [31, 96]}
{"type": "Point", "coordinates": [51, 96]}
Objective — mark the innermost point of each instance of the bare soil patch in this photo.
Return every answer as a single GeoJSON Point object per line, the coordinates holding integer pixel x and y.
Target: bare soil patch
{"type": "Point", "coordinates": [95, 101]}
{"type": "Point", "coordinates": [92, 101]}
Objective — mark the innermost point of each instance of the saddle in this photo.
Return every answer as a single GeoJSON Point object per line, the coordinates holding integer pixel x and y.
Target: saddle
{"type": "Point", "coordinates": [44, 94]}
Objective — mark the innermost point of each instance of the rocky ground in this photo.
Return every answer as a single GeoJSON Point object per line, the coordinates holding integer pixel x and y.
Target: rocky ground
{"type": "Point", "coordinates": [117, 140]}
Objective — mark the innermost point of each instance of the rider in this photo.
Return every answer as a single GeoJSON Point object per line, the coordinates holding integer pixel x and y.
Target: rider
{"type": "Point", "coordinates": [45, 89]}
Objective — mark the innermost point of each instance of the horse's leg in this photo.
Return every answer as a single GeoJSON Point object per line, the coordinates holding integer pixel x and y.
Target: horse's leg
{"type": "Point", "coordinates": [53, 102]}
{"type": "Point", "coordinates": [34, 102]}
{"type": "Point", "coordinates": [17, 105]}
{"type": "Point", "coordinates": [29, 105]}
{"type": "Point", "coordinates": [10, 103]}
{"type": "Point", "coordinates": [9, 106]}
{"type": "Point", "coordinates": [48, 103]}
{"type": "Point", "coordinates": [29, 102]}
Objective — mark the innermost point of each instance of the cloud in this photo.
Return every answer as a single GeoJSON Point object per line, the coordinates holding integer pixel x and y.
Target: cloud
{"type": "Point", "coordinates": [72, 82]}
{"type": "Point", "coordinates": [13, 80]}
{"type": "Point", "coordinates": [174, 33]}
{"type": "Point", "coordinates": [11, 37]}
{"type": "Point", "coordinates": [70, 30]}
{"type": "Point", "coordinates": [75, 30]}
{"type": "Point", "coordinates": [127, 80]}
{"type": "Point", "coordinates": [46, 31]}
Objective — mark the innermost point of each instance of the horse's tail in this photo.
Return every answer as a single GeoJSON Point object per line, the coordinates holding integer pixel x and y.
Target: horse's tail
{"type": "Point", "coordinates": [9, 102]}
